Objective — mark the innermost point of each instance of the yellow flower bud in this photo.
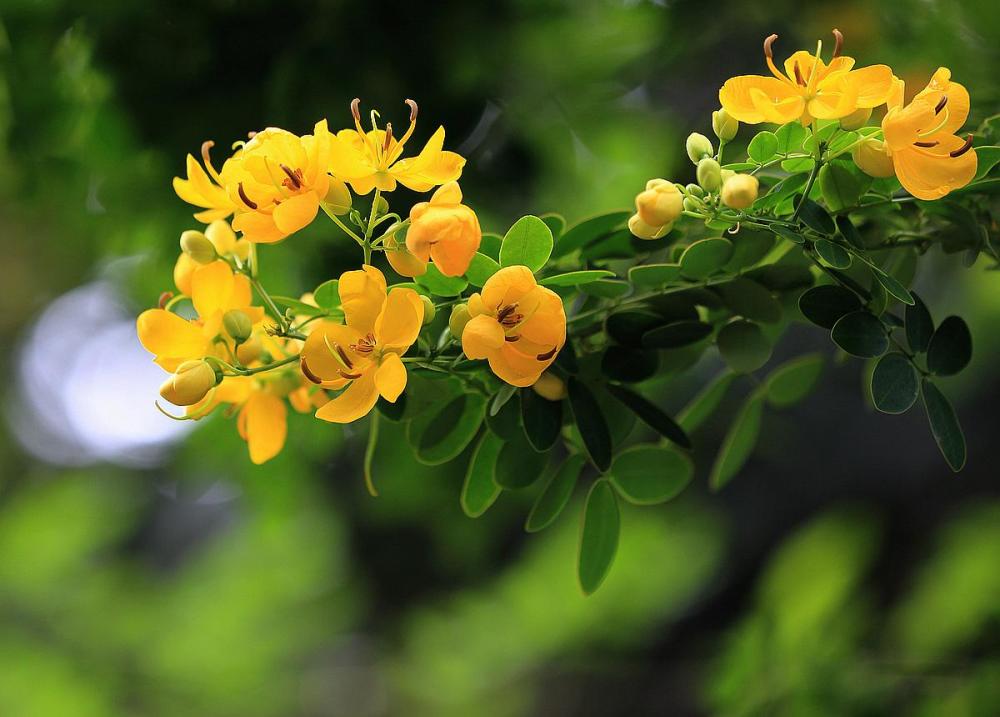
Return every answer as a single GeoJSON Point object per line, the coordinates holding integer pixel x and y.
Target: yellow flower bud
{"type": "Point", "coordinates": [654, 183]}
{"type": "Point", "coordinates": [698, 147]}
{"type": "Point", "coordinates": [458, 319]}
{"type": "Point", "coordinates": [237, 325]}
{"type": "Point", "coordinates": [856, 119]}
{"type": "Point", "coordinates": [646, 231]}
{"type": "Point", "coordinates": [724, 125]}
{"type": "Point", "coordinates": [338, 198]}
{"type": "Point", "coordinates": [709, 174]}
{"type": "Point", "coordinates": [430, 311]}
{"type": "Point", "coordinates": [190, 383]}
{"type": "Point", "coordinates": [660, 204]}
{"type": "Point", "coordinates": [726, 174]}
{"type": "Point", "coordinates": [444, 230]}
{"type": "Point", "coordinates": [197, 246]}
{"type": "Point", "coordinates": [550, 387]}
{"type": "Point", "coordinates": [250, 350]}
{"type": "Point", "coordinates": [740, 191]}
{"type": "Point", "coordinates": [873, 158]}
{"type": "Point", "coordinates": [402, 261]}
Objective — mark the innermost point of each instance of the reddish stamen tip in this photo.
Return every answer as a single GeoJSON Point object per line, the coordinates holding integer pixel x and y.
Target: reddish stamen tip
{"type": "Point", "coordinates": [413, 109]}
{"type": "Point", "coordinates": [767, 46]}
{"type": "Point", "coordinates": [349, 376]}
{"type": "Point", "coordinates": [251, 134]}
{"type": "Point", "coordinates": [547, 355]}
{"type": "Point", "coordinates": [309, 374]}
{"type": "Point", "coordinates": [511, 339]}
{"type": "Point", "coordinates": [798, 75]}
{"type": "Point", "coordinates": [205, 147]}
{"type": "Point", "coordinates": [343, 356]}
{"type": "Point", "coordinates": [356, 109]}
{"type": "Point", "coordinates": [926, 144]}
{"type": "Point", "coordinates": [293, 177]}
{"type": "Point", "coordinates": [388, 137]}
{"type": "Point", "coordinates": [839, 37]}
{"type": "Point", "coordinates": [941, 105]}
{"type": "Point", "coordinates": [165, 298]}
{"type": "Point", "coordinates": [963, 149]}
{"type": "Point", "coordinates": [245, 198]}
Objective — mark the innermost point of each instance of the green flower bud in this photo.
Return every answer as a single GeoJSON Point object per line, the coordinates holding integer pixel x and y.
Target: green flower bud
{"type": "Point", "coordinates": [430, 311]}
{"type": "Point", "coordinates": [237, 325]}
{"type": "Point", "coordinates": [381, 206]}
{"type": "Point", "coordinates": [458, 319]}
{"type": "Point", "coordinates": [724, 125]}
{"type": "Point", "coordinates": [709, 174]}
{"type": "Point", "coordinates": [856, 119]}
{"type": "Point", "coordinates": [197, 246]}
{"type": "Point", "coordinates": [740, 191]}
{"type": "Point", "coordinates": [338, 197]}
{"type": "Point", "coordinates": [726, 174]}
{"type": "Point", "coordinates": [692, 205]}
{"type": "Point", "coordinates": [698, 147]}
{"type": "Point", "coordinates": [694, 190]}
{"type": "Point", "coordinates": [190, 383]}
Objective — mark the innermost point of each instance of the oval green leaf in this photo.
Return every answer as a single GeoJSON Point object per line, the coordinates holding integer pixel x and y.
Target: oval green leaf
{"type": "Point", "coordinates": [591, 423]}
{"type": "Point", "coordinates": [527, 243]}
{"type": "Point", "coordinates": [648, 475]}
{"type": "Point", "coordinates": [598, 536]}
{"type": "Point", "coordinates": [555, 495]}
{"type": "Point", "coordinates": [919, 325]}
{"type": "Point", "coordinates": [950, 349]}
{"type": "Point", "coordinates": [440, 285]}
{"type": "Point", "coordinates": [654, 274]}
{"type": "Point", "coordinates": [703, 405]}
{"type": "Point", "coordinates": [763, 147]}
{"type": "Point", "coordinates": [439, 436]}
{"type": "Point", "coordinates": [480, 269]}
{"type": "Point", "coordinates": [705, 257]}
{"type": "Point", "coordinates": [825, 305]}
{"type": "Point", "coordinates": [576, 278]}
{"type": "Point", "coordinates": [894, 384]}
{"type": "Point", "coordinates": [651, 414]}
{"type": "Point", "coordinates": [676, 334]}
{"type": "Point", "coordinates": [944, 425]}
{"type": "Point", "coordinates": [860, 334]}
{"type": "Point", "coordinates": [479, 490]}
{"type": "Point", "coordinates": [832, 254]}
{"type": "Point", "coordinates": [743, 346]}
{"type": "Point", "coordinates": [739, 442]}
{"type": "Point", "coordinates": [541, 418]}
{"type": "Point", "coordinates": [792, 381]}
{"type": "Point", "coordinates": [518, 465]}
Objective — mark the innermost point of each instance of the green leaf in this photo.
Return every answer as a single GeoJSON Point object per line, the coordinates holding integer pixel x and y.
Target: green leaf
{"type": "Point", "coordinates": [860, 334]}
{"type": "Point", "coordinates": [748, 299]}
{"type": "Point", "coordinates": [490, 245]}
{"type": "Point", "coordinates": [763, 147]}
{"type": "Point", "coordinates": [299, 307]}
{"type": "Point", "coordinates": [630, 365]}
{"type": "Point", "coordinates": [541, 418]}
{"type": "Point", "coordinates": [527, 243]}
{"type": "Point", "coordinates": [591, 423]}
{"type": "Point", "coordinates": [919, 325]}
{"type": "Point", "coordinates": [704, 404]}
{"type": "Point", "coordinates": [438, 436]}
{"type": "Point", "coordinates": [519, 465]}
{"type": "Point", "coordinates": [650, 414]}
{"type": "Point", "coordinates": [606, 288]}
{"type": "Point", "coordinates": [555, 222]}
{"type": "Point", "coordinates": [841, 142]}
{"type": "Point", "coordinates": [750, 247]}
{"type": "Point", "coordinates": [817, 218]}
{"type": "Point", "coordinates": [743, 346]}
{"type": "Point", "coordinates": [950, 348]}
{"type": "Point", "coordinates": [598, 537]}
{"type": "Point", "coordinates": [480, 269]}
{"type": "Point", "coordinates": [506, 422]}
{"type": "Point", "coordinates": [798, 165]}
{"type": "Point", "coordinates": [648, 475]}
{"type": "Point", "coordinates": [790, 137]}
{"type": "Point", "coordinates": [888, 282]}
{"type": "Point", "coordinates": [439, 284]}
{"type": "Point", "coordinates": [894, 384]}
{"type": "Point", "coordinates": [654, 274]}
{"type": "Point", "coordinates": [793, 380]}
{"type": "Point", "coordinates": [555, 495]}
{"type": "Point", "coordinates": [327, 294]}
{"type": "Point", "coordinates": [479, 490]}
{"type": "Point", "coordinates": [944, 425]}
{"type": "Point", "coordinates": [832, 254]}
{"type": "Point", "coordinates": [576, 278]}
{"type": "Point", "coordinates": [503, 394]}
{"type": "Point", "coordinates": [588, 231]}
{"type": "Point", "coordinates": [676, 334]}
{"type": "Point", "coordinates": [705, 257]}
{"type": "Point", "coordinates": [788, 233]}
{"type": "Point", "coordinates": [849, 232]}
{"type": "Point", "coordinates": [628, 327]}
{"type": "Point", "coordinates": [841, 188]}
{"type": "Point", "coordinates": [987, 158]}
{"type": "Point", "coordinates": [739, 442]}
{"type": "Point", "coordinates": [824, 305]}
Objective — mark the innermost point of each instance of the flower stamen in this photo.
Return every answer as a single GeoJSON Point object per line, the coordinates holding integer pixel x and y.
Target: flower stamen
{"type": "Point", "coordinates": [941, 105]}
{"type": "Point", "coordinates": [926, 144]}
{"type": "Point", "coordinates": [963, 149]}
{"type": "Point", "coordinates": [243, 195]}
{"type": "Point", "coordinates": [207, 159]}
{"type": "Point", "coordinates": [295, 178]}
{"type": "Point", "coordinates": [839, 36]}
{"type": "Point", "coordinates": [769, 55]}
{"type": "Point", "coordinates": [547, 355]}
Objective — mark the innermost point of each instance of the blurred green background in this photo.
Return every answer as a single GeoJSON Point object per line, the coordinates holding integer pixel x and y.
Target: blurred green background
{"type": "Point", "coordinates": [145, 570]}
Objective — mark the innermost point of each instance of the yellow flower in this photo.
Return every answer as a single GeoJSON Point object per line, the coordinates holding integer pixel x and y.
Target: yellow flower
{"type": "Point", "coordinates": [205, 191]}
{"type": "Point", "coordinates": [661, 203]}
{"type": "Point", "coordinates": [226, 244]}
{"type": "Point", "coordinates": [277, 181]}
{"type": "Point", "coordinates": [365, 353]}
{"type": "Point", "coordinates": [928, 158]}
{"type": "Point", "coordinates": [808, 89]}
{"type": "Point", "coordinates": [517, 325]}
{"type": "Point", "coordinates": [740, 191]}
{"type": "Point", "coordinates": [444, 230]}
{"type": "Point", "coordinates": [214, 291]}
{"type": "Point", "coordinates": [371, 160]}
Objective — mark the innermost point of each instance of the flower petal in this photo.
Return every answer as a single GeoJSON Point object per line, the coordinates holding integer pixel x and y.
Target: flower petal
{"type": "Point", "coordinates": [736, 96]}
{"type": "Point", "coordinates": [873, 85]}
{"type": "Point", "coordinates": [507, 286]}
{"type": "Point", "coordinates": [355, 402]}
{"type": "Point", "coordinates": [166, 335]}
{"type": "Point", "coordinates": [297, 212]}
{"type": "Point", "coordinates": [482, 336]}
{"type": "Point", "coordinates": [933, 174]}
{"type": "Point", "coordinates": [399, 322]}
{"type": "Point", "coordinates": [321, 363]}
{"type": "Point", "coordinates": [257, 227]}
{"type": "Point", "coordinates": [212, 288]}
{"type": "Point", "coordinates": [266, 426]}
{"type": "Point", "coordinates": [362, 294]}
{"type": "Point", "coordinates": [390, 377]}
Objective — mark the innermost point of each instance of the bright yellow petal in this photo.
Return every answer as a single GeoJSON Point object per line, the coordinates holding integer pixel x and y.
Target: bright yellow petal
{"type": "Point", "coordinates": [548, 324]}
{"type": "Point", "coordinates": [805, 61]}
{"type": "Point", "coordinates": [355, 402]}
{"type": "Point", "coordinates": [482, 337]}
{"type": "Point", "coordinates": [873, 85]}
{"type": "Point", "coordinates": [779, 108]}
{"type": "Point", "coordinates": [362, 294]}
{"type": "Point", "coordinates": [902, 127]}
{"type": "Point", "coordinates": [322, 358]}
{"type": "Point", "coordinates": [165, 334]}
{"type": "Point", "coordinates": [295, 213]}
{"type": "Point", "coordinates": [400, 320]}
{"type": "Point", "coordinates": [933, 174]}
{"type": "Point", "coordinates": [258, 227]}
{"type": "Point", "coordinates": [183, 271]}
{"type": "Point", "coordinates": [390, 377]}
{"type": "Point", "coordinates": [429, 168]}
{"type": "Point", "coordinates": [507, 286]}
{"type": "Point", "coordinates": [222, 237]}
{"type": "Point", "coordinates": [514, 367]}
{"type": "Point", "coordinates": [266, 426]}
{"type": "Point", "coordinates": [737, 99]}
{"type": "Point", "coordinates": [212, 288]}
{"type": "Point", "coordinates": [836, 97]}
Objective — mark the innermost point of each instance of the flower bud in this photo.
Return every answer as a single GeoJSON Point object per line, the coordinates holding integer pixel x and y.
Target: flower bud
{"type": "Point", "coordinates": [197, 246]}
{"type": "Point", "coordinates": [659, 205]}
{"type": "Point", "coordinates": [550, 387]}
{"type": "Point", "coordinates": [692, 205]}
{"type": "Point", "coordinates": [430, 311]}
{"type": "Point", "coordinates": [872, 157]}
{"type": "Point", "coordinates": [695, 190]}
{"type": "Point", "coordinates": [250, 350]}
{"type": "Point", "coordinates": [646, 231]}
{"type": "Point", "coordinates": [338, 197]}
{"type": "Point", "coordinates": [381, 206]}
{"type": "Point", "coordinates": [458, 319]}
{"type": "Point", "coordinates": [190, 383]}
{"type": "Point", "coordinates": [237, 325]}
{"type": "Point", "coordinates": [856, 119]}
{"type": "Point", "coordinates": [709, 174]}
{"type": "Point", "coordinates": [403, 262]}
{"type": "Point", "coordinates": [726, 174]}
{"type": "Point", "coordinates": [444, 230]}
{"type": "Point", "coordinates": [740, 191]}
{"type": "Point", "coordinates": [657, 182]}
{"type": "Point", "coordinates": [724, 125]}
{"type": "Point", "coordinates": [698, 147]}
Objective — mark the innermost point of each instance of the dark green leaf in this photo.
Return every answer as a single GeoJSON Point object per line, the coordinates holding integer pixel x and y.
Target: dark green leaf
{"type": "Point", "coordinates": [392, 411]}
{"type": "Point", "coordinates": [576, 278]}
{"type": "Point", "coordinates": [628, 327]}
{"type": "Point", "coordinates": [518, 465]}
{"type": "Point", "coordinates": [654, 274]}
{"type": "Point", "coordinates": [631, 365]}
{"type": "Point", "coordinates": [647, 475]}
{"type": "Point", "coordinates": [825, 305]}
{"type": "Point", "coordinates": [792, 381]}
{"type": "Point", "coordinates": [894, 386]}
{"type": "Point", "coordinates": [944, 425]}
{"type": "Point", "coordinates": [788, 233]}
{"type": "Point", "coordinates": [816, 217]}
{"type": "Point", "coordinates": [490, 245]}
{"type": "Point", "coordinates": [527, 243]}
{"type": "Point", "coordinates": [591, 423]}
{"type": "Point", "coordinates": [950, 349]}
{"type": "Point", "coordinates": [506, 422]}
{"type": "Point", "coordinates": [919, 325]}
{"type": "Point", "coordinates": [849, 232]}
{"type": "Point", "coordinates": [743, 346]}
{"type": "Point", "coordinates": [599, 536]}
{"type": "Point", "coordinates": [480, 490]}
{"type": "Point", "coordinates": [439, 436]}
{"type": "Point", "coordinates": [705, 257]}
{"type": "Point", "coordinates": [860, 334]}
{"type": "Point", "coordinates": [739, 442]}
{"type": "Point", "coordinates": [606, 288]}
{"type": "Point", "coordinates": [555, 495]}
{"type": "Point", "coordinates": [748, 299]}
{"type": "Point", "coordinates": [541, 418]}
{"type": "Point", "coordinates": [589, 230]}
{"type": "Point", "coordinates": [650, 414]}
{"type": "Point", "coordinates": [832, 254]}
{"type": "Point", "coordinates": [503, 394]}
{"type": "Point", "coordinates": [704, 404]}
{"type": "Point", "coordinates": [676, 334]}
{"type": "Point", "coordinates": [555, 222]}
{"type": "Point", "coordinates": [840, 186]}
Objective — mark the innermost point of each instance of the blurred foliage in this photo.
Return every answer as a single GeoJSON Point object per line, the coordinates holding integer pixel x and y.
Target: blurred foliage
{"type": "Point", "coordinates": [206, 587]}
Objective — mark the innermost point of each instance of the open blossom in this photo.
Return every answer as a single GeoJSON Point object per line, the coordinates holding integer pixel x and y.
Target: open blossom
{"type": "Point", "coordinates": [372, 159]}
{"type": "Point", "coordinates": [364, 353]}
{"type": "Point", "coordinates": [444, 230]}
{"type": "Point", "coordinates": [517, 325]}
{"type": "Point", "coordinates": [920, 144]}
{"type": "Point", "coordinates": [808, 89]}
{"type": "Point", "coordinates": [205, 189]}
